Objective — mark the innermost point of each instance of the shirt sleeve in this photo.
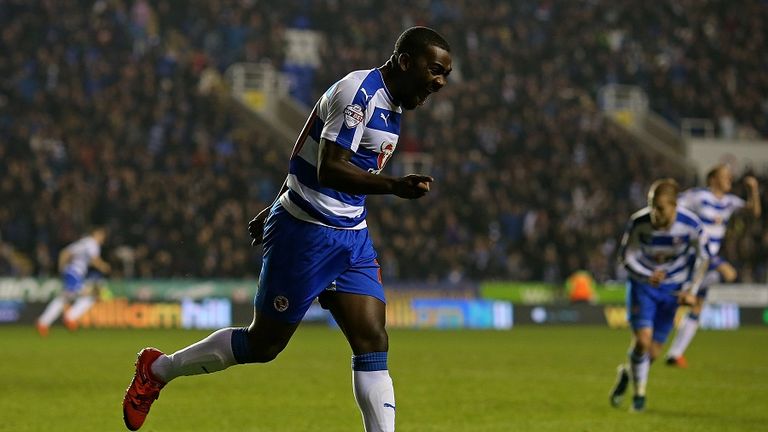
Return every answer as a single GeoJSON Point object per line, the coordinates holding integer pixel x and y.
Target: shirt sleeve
{"type": "Point", "coordinates": [702, 244]}
{"type": "Point", "coordinates": [629, 253]}
{"type": "Point", "coordinates": [687, 199]}
{"type": "Point", "coordinates": [92, 249]}
{"type": "Point", "coordinates": [79, 247]}
{"type": "Point", "coordinates": [737, 202]}
{"type": "Point", "coordinates": [345, 121]}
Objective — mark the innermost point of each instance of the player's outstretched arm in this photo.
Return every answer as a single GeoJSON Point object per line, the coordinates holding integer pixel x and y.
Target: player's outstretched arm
{"type": "Point", "coordinates": [629, 253]}
{"type": "Point", "coordinates": [700, 243]}
{"type": "Point", "coordinates": [336, 171]}
{"type": "Point", "coordinates": [753, 196]}
{"type": "Point", "coordinates": [101, 265]}
{"type": "Point", "coordinates": [64, 257]}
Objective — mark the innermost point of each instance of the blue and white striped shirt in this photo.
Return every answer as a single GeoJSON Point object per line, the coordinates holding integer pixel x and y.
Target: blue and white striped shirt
{"type": "Point", "coordinates": [714, 212]}
{"type": "Point", "coordinates": [359, 114]}
{"type": "Point", "coordinates": [82, 252]}
{"type": "Point", "coordinates": [645, 249]}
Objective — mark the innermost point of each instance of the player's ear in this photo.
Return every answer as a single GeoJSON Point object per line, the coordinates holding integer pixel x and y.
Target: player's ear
{"type": "Point", "coordinates": [404, 61]}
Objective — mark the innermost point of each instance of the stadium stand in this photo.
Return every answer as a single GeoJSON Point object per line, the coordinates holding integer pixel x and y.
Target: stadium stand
{"type": "Point", "coordinates": [532, 182]}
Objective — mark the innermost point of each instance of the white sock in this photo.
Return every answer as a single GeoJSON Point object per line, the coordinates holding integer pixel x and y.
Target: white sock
{"type": "Point", "coordinates": [684, 336]}
{"type": "Point", "coordinates": [639, 366]}
{"type": "Point", "coordinates": [52, 311]}
{"type": "Point", "coordinates": [81, 306]}
{"type": "Point", "coordinates": [375, 396]}
{"type": "Point", "coordinates": [211, 354]}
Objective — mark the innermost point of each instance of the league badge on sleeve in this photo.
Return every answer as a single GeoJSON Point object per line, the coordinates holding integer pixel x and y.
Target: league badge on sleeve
{"type": "Point", "coordinates": [353, 115]}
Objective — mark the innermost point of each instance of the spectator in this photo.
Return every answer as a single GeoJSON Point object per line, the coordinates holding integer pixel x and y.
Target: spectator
{"type": "Point", "coordinates": [115, 112]}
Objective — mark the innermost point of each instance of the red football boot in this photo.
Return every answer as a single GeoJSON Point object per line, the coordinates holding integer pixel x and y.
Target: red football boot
{"type": "Point", "coordinates": [70, 324]}
{"type": "Point", "coordinates": [680, 362]}
{"type": "Point", "coordinates": [42, 329]}
{"type": "Point", "coordinates": [144, 389]}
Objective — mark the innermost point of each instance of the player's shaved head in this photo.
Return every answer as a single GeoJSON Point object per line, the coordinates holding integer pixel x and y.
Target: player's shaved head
{"type": "Point", "coordinates": [712, 174]}
{"type": "Point", "coordinates": [720, 179]}
{"type": "Point", "coordinates": [416, 40]}
{"type": "Point", "coordinates": [100, 232]}
{"type": "Point", "coordinates": [662, 200]}
{"type": "Point", "coordinates": [418, 67]}
{"type": "Point", "coordinates": [667, 187]}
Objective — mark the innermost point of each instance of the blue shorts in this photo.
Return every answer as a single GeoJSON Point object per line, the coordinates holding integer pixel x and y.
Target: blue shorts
{"type": "Point", "coordinates": [72, 282]}
{"type": "Point", "coordinates": [653, 307]}
{"type": "Point", "coordinates": [302, 260]}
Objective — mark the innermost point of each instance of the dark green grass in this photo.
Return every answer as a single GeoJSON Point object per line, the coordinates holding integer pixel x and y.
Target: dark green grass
{"type": "Point", "coordinates": [527, 379]}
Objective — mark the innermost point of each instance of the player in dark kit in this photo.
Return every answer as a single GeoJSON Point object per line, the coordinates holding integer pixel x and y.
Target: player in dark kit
{"type": "Point", "coordinates": [316, 241]}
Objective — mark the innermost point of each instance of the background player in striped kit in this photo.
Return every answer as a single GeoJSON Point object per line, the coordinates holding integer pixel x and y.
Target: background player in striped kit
{"type": "Point", "coordinates": [74, 261]}
{"type": "Point", "coordinates": [664, 249]}
{"type": "Point", "coordinates": [714, 205]}
{"type": "Point", "coordinates": [316, 244]}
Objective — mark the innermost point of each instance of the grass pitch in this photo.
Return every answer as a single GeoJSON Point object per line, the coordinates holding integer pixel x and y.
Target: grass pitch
{"type": "Point", "coordinates": [528, 379]}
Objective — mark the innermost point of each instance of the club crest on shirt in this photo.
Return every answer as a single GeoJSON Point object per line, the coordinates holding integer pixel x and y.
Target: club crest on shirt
{"type": "Point", "coordinates": [353, 115]}
{"type": "Point", "coordinates": [385, 152]}
{"type": "Point", "coordinates": [280, 303]}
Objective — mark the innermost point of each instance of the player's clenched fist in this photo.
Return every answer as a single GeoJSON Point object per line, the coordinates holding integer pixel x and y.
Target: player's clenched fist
{"type": "Point", "coordinates": [686, 298]}
{"type": "Point", "coordinates": [656, 277]}
{"type": "Point", "coordinates": [751, 182]}
{"type": "Point", "coordinates": [412, 186]}
{"type": "Point", "coordinates": [256, 227]}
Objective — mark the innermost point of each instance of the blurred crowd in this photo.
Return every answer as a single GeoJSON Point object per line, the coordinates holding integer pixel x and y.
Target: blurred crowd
{"type": "Point", "coordinates": [113, 112]}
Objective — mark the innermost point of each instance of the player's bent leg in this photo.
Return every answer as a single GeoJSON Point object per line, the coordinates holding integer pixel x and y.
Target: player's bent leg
{"type": "Point", "coordinates": [362, 319]}
{"type": "Point", "coordinates": [639, 365]}
{"type": "Point", "coordinates": [683, 337]}
{"type": "Point", "coordinates": [638, 403]}
{"type": "Point", "coordinates": [143, 390]}
{"type": "Point", "coordinates": [52, 312]}
{"type": "Point", "coordinates": [263, 340]}
{"type": "Point", "coordinates": [620, 386]}
{"type": "Point", "coordinates": [72, 286]}
{"type": "Point", "coordinates": [689, 325]}
{"type": "Point", "coordinates": [655, 350]}
{"type": "Point", "coordinates": [78, 309]}
{"type": "Point", "coordinates": [260, 342]}
{"type": "Point", "coordinates": [727, 272]}
{"type": "Point", "coordinates": [641, 308]}
{"type": "Point", "coordinates": [374, 392]}
{"type": "Point", "coordinates": [212, 354]}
